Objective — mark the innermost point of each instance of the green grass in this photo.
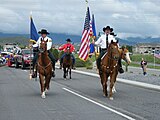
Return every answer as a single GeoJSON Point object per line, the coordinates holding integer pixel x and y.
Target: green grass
{"type": "Point", "coordinates": [148, 58]}
{"type": "Point", "coordinates": [136, 58]}
{"type": "Point", "coordinates": [138, 65]}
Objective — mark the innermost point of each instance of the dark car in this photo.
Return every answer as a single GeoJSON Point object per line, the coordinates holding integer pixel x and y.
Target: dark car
{"type": "Point", "coordinates": [24, 58]}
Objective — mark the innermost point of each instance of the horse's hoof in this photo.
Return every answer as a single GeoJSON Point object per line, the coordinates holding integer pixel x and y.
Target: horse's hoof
{"type": "Point", "coordinates": [43, 95]}
{"type": "Point", "coordinates": [104, 95]}
{"type": "Point", "coordinates": [111, 98]}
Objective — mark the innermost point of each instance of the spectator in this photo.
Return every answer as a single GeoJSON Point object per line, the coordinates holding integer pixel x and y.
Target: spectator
{"type": "Point", "coordinates": [144, 66]}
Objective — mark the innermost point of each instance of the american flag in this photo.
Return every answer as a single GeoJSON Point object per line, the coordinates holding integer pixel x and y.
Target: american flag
{"type": "Point", "coordinates": [85, 40]}
{"type": "Point", "coordinates": [157, 54]}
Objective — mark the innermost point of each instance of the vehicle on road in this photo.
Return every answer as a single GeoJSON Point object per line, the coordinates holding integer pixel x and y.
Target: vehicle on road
{"type": "Point", "coordinates": [24, 58]}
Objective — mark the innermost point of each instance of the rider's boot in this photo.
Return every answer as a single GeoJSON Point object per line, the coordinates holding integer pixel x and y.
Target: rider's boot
{"type": "Point", "coordinates": [98, 66]}
{"type": "Point", "coordinates": [34, 73]}
{"type": "Point", "coordinates": [120, 67]}
{"type": "Point", "coordinates": [53, 71]}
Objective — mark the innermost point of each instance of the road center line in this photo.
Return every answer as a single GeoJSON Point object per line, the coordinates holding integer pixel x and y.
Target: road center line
{"type": "Point", "coordinates": [105, 107]}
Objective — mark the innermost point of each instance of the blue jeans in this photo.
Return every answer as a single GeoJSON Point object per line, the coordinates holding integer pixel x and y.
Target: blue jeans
{"type": "Point", "coordinates": [72, 56]}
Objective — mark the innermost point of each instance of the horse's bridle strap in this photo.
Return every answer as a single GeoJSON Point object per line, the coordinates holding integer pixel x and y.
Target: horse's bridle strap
{"type": "Point", "coordinates": [44, 67]}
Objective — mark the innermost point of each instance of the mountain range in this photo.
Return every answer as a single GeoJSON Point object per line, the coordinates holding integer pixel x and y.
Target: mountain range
{"type": "Point", "coordinates": [59, 38]}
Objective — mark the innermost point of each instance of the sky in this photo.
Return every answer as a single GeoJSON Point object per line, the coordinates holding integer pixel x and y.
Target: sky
{"type": "Point", "coordinates": [129, 18]}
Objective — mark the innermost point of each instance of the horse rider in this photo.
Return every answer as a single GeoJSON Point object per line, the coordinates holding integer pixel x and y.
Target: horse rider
{"type": "Point", "coordinates": [64, 48]}
{"type": "Point", "coordinates": [44, 37]}
{"type": "Point", "coordinates": [104, 42]}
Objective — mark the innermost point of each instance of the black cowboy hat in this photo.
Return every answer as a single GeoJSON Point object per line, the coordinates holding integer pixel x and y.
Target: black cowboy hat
{"type": "Point", "coordinates": [68, 40]}
{"type": "Point", "coordinates": [107, 28]}
{"type": "Point", "coordinates": [112, 33]}
{"type": "Point", "coordinates": [43, 31]}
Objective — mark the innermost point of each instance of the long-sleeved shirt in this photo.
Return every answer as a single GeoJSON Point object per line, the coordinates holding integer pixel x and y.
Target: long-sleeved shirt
{"type": "Point", "coordinates": [102, 41]}
{"type": "Point", "coordinates": [49, 43]}
{"type": "Point", "coordinates": [65, 46]}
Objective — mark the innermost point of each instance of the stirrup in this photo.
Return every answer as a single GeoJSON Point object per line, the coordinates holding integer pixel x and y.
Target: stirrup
{"type": "Point", "coordinates": [53, 74]}
{"type": "Point", "coordinates": [34, 75]}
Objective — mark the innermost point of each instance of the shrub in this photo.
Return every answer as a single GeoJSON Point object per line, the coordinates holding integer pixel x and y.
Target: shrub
{"type": "Point", "coordinates": [80, 63]}
{"type": "Point", "coordinates": [89, 64]}
{"type": "Point", "coordinates": [61, 53]}
{"type": "Point", "coordinates": [55, 53]}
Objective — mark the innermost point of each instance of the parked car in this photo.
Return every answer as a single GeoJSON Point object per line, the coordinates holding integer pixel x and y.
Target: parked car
{"type": "Point", "coordinates": [24, 58]}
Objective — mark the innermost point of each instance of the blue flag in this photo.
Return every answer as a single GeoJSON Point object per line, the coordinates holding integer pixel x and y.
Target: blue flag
{"type": "Point", "coordinates": [33, 32]}
{"type": "Point", "coordinates": [92, 48]}
{"type": "Point", "coordinates": [93, 26]}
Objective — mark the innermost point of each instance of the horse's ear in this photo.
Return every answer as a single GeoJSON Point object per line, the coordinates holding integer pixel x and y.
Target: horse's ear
{"type": "Point", "coordinates": [117, 41]}
{"type": "Point", "coordinates": [123, 47]}
{"type": "Point", "coordinates": [111, 41]}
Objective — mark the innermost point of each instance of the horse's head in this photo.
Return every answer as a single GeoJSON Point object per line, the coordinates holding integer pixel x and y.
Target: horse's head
{"type": "Point", "coordinates": [125, 55]}
{"type": "Point", "coordinates": [113, 49]}
{"type": "Point", "coordinates": [68, 50]}
{"type": "Point", "coordinates": [43, 46]}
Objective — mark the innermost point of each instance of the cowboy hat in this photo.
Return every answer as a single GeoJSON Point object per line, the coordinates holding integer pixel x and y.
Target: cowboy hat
{"type": "Point", "coordinates": [43, 31]}
{"type": "Point", "coordinates": [68, 40]}
{"type": "Point", "coordinates": [107, 28]}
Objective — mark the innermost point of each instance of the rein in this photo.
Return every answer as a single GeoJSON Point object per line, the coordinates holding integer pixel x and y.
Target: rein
{"type": "Point", "coordinates": [44, 67]}
{"type": "Point", "coordinates": [114, 58]}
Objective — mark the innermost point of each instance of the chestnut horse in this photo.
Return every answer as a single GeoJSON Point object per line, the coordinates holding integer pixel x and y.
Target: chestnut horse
{"type": "Point", "coordinates": [44, 67]}
{"type": "Point", "coordinates": [109, 67]}
{"type": "Point", "coordinates": [67, 64]}
{"type": "Point", "coordinates": [124, 54]}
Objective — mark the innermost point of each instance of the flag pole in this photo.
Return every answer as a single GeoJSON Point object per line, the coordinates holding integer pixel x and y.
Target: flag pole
{"type": "Point", "coordinates": [30, 72]}
{"type": "Point", "coordinates": [154, 59]}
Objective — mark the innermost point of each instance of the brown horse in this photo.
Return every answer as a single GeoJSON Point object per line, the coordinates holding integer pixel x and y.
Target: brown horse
{"type": "Point", "coordinates": [44, 67]}
{"type": "Point", "coordinates": [124, 54]}
{"type": "Point", "coordinates": [67, 64]}
{"type": "Point", "coordinates": [109, 67]}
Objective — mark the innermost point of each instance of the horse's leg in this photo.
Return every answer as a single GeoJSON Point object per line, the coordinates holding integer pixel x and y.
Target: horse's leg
{"type": "Point", "coordinates": [64, 75]}
{"type": "Point", "coordinates": [67, 71]}
{"type": "Point", "coordinates": [112, 81]}
{"type": "Point", "coordinates": [114, 86]}
{"type": "Point", "coordinates": [48, 78]}
{"type": "Point", "coordinates": [70, 73]}
{"type": "Point", "coordinates": [41, 77]}
{"type": "Point", "coordinates": [105, 84]}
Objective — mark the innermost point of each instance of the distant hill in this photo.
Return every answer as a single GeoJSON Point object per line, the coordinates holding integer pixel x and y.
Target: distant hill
{"type": "Point", "coordinates": [59, 38]}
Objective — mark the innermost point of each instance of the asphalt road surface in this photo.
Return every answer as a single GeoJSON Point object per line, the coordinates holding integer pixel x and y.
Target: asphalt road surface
{"type": "Point", "coordinates": [77, 99]}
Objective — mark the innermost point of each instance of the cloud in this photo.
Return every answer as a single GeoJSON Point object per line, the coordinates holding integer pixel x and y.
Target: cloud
{"type": "Point", "coordinates": [127, 17]}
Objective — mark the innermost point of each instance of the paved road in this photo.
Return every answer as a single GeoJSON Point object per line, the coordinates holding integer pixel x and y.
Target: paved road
{"type": "Point", "coordinates": [77, 99]}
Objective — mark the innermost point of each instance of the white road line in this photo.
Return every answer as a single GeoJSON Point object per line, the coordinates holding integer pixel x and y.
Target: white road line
{"type": "Point", "coordinates": [105, 107]}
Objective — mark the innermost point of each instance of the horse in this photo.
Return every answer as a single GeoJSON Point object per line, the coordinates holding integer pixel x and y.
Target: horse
{"type": "Point", "coordinates": [44, 68]}
{"type": "Point", "coordinates": [124, 54]}
{"type": "Point", "coordinates": [109, 68]}
{"type": "Point", "coordinates": [67, 63]}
